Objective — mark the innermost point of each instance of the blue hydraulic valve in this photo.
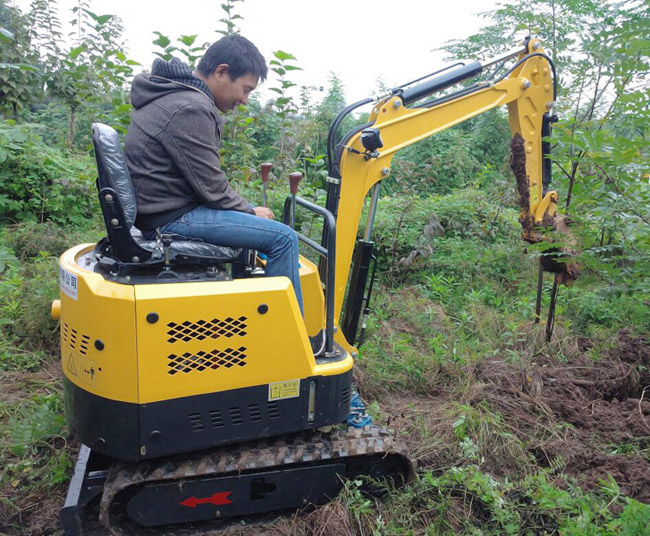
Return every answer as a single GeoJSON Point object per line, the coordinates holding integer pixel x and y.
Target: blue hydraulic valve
{"type": "Point", "coordinates": [358, 416]}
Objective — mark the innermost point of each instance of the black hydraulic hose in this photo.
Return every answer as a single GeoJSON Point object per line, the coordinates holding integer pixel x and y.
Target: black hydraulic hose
{"type": "Point", "coordinates": [331, 135]}
{"type": "Point", "coordinates": [522, 60]}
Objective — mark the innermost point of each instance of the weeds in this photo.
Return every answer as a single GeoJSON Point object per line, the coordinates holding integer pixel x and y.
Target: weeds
{"type": "Point", "coordinates": [453, 362]}
{"type": "Point", "coordinates": [466, 500]}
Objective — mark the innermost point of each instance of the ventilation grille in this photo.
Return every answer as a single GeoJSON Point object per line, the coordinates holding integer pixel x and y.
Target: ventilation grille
{"type": "Point", "coordinates": [196, 422]}
{"type": "Point", "coordinates": [206, 360]}
{"type": "Point", "coordinates": [234, 416]}
{"type": "Point", "coordinates": [215, 419]}
{"type": "Point", "coordinates": [254, 413]}
{"type": "Point", "coordinates": [74, 341]}
{"type": "Point", "coordinates": [204, 329]}
{"type": "Point", "coordinates": [345, 396]}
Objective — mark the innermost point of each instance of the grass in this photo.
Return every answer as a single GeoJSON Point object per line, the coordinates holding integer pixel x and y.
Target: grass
{"type": "Point", "coordinates": [453, 362]}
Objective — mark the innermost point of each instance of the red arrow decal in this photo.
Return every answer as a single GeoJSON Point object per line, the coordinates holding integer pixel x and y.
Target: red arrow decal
{"type": "Point", "coordinates": [220, 497]}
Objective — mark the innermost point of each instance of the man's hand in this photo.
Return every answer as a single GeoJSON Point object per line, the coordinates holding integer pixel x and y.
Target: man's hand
{"type": "Point", "coordinates": [264, 212]}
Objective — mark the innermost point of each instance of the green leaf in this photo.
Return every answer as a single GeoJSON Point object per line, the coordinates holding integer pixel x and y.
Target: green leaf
{"type": "Point", "coordinates": [74, 53]}
{"type": "Point", "coordinates": [283, 56]}
{"type": "Point", "coordinates": [162, 40]}
{"type": "Point", "coordinates": [103, 19]}
{"type": "Point", "coordinates": [6, 35]}
{"type": "Point", "coordinates": [292, 68]}
{"type": "Point", "coordinates": [187, 40]}
{"type": "Point", "coordinates": [20, 66]}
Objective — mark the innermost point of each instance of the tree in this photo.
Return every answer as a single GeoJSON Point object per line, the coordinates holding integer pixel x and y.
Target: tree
{"type": "Point", "coordinates": [92, 71]}
{"type": "Point", "coordinates": [600, 146]}
{"type": "Point", "coordinates": [19, 74]}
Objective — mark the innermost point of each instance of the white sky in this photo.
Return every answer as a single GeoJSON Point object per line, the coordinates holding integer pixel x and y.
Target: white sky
{"type": "Point", "coordinates": [359, 40]}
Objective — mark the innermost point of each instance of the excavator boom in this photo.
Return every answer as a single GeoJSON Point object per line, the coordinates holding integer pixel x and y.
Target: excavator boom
{"type": "Point", "coordinates": [363, 157]}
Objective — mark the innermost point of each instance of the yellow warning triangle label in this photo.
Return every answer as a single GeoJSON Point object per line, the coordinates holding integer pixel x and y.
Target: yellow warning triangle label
{"type": "Point", "coordinates": [71, 366]}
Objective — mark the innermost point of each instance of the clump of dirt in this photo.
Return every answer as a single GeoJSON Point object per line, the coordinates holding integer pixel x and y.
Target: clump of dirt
{"type": "Point", "coordinates": [518, 166]}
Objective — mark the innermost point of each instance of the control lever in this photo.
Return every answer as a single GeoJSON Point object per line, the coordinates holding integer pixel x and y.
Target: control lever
{"type": "Point", "coordinates": [167, 244]}
{"type": "Point", "coordinates": [294, 180]}
{"type": "Point", "coordinates": [266, 169]}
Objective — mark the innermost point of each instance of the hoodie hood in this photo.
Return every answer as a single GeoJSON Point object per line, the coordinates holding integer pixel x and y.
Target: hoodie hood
{"type": "Point", "coordinates": [166, 77]}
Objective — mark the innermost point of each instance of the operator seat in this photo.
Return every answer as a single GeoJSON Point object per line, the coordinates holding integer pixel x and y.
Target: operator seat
{"type": "Point", "coordinates": [125, 250]}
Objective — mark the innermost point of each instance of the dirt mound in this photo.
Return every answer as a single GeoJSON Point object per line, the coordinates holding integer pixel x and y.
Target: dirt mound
{"type": "Point", "coordinates": [587, 418]}
{"type": "Point", "coordinates": [585, 415]}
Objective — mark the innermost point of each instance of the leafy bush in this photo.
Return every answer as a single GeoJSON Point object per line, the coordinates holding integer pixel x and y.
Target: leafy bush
{"type": "Point", "coordinates": [601, 307]}
{"type": "Point", "coordinates": [33, 240]}
{"type": "Point", "coordinates": [408, 225]}
{"type": "Point", "coordinates": [36, 422]}
{"type": "Point", "coordinates": [27, 293]}
{"type": "Point", "coordinates": [42, 183]}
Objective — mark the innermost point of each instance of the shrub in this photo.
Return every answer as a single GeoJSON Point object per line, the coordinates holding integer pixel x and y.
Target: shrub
{"type": "Point", "coordinates": [40, 182]}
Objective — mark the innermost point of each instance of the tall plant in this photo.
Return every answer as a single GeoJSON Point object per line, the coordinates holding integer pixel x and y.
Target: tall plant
{"type": "Point", "coordinates": [19, 74]}
{"type": "Point", "coordinates": [239, 152]}
{"type": "Point", "coordinates": [601, 143]}
{"type": "Point", "coordinates": [93, 70]}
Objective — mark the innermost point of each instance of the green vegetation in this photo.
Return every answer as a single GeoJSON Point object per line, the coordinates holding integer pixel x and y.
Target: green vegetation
{"type": "Point", "coordinates": [512, 435]}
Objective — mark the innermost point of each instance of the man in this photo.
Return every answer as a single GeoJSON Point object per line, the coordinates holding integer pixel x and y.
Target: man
{"type": "Point", "coordinates": [172, 154]}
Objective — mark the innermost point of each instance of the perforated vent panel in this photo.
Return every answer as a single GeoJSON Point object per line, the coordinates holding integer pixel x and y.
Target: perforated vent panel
{"type": "Point", "coordinates": [345, 396]}
{"type": "Point", "coordinates": [74, 341]}
{"type": "Point", "coordinates": [203, 329]}
{"type": "Point", "coordinates": [201, 361]}
{"type": "Point", "coordinates": [233, 416]}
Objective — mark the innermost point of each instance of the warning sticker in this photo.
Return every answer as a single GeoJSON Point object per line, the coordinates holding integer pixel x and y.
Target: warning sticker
{"type": "Point", "coordinates": [72, 368]}
{"type": "Point", "coordinates": [68, 283]}
{"type": "Point", "coordinates": [288, 389]}
{"type": "Point", "coordinates": [88, 370]}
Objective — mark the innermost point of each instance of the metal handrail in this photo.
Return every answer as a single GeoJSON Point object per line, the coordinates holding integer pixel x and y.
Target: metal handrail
{"type": "Point", "coordinates": [329, 254]}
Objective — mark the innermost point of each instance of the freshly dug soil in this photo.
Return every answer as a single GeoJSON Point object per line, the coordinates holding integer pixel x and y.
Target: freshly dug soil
{"type": "Point", "coordinates": [585, 418]}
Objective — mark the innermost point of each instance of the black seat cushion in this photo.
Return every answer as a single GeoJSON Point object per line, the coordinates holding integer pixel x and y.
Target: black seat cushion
{"type": "Point", "coordinates": [186, 248]}
{"type": "Point", "coordinates": [127, 243]}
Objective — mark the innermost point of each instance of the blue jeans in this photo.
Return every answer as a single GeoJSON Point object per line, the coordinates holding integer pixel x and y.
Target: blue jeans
{"type": "Point", "coordinates": [240, 230]}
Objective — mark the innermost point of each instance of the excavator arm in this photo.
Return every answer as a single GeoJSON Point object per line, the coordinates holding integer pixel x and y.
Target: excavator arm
{"type": "Point", "coordinates": [363, 158]}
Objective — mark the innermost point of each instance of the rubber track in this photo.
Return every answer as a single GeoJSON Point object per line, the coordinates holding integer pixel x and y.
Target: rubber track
{"type": "Point", "coordinates": [265, 454]}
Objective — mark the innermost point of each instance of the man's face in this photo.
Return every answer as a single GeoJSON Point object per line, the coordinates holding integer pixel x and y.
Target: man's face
{"type": "Point", "coordinates": [229, 93]}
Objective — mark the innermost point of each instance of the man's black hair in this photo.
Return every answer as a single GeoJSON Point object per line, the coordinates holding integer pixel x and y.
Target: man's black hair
{"type": "Point", "coordinates": [241, 56]}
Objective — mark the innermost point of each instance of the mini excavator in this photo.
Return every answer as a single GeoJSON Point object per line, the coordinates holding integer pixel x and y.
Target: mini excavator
{"type": "Point", "coordinates": [196, 396]}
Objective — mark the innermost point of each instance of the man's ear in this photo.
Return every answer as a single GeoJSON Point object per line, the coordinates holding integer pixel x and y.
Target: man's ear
{"type": "Point", "coordinates": [221, 69]}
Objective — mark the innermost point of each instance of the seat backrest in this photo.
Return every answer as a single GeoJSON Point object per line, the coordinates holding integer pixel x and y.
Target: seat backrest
{"type": "Point", "coordinates": [112, 169]}
{"type": "Point", "coordinates": [116, 195]}
{"type": "Point", "coordinates": [119, 208]}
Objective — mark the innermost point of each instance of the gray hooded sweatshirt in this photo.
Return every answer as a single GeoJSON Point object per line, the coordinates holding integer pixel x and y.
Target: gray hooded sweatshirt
{"type": "Point", "coordinates": [172, 149]}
